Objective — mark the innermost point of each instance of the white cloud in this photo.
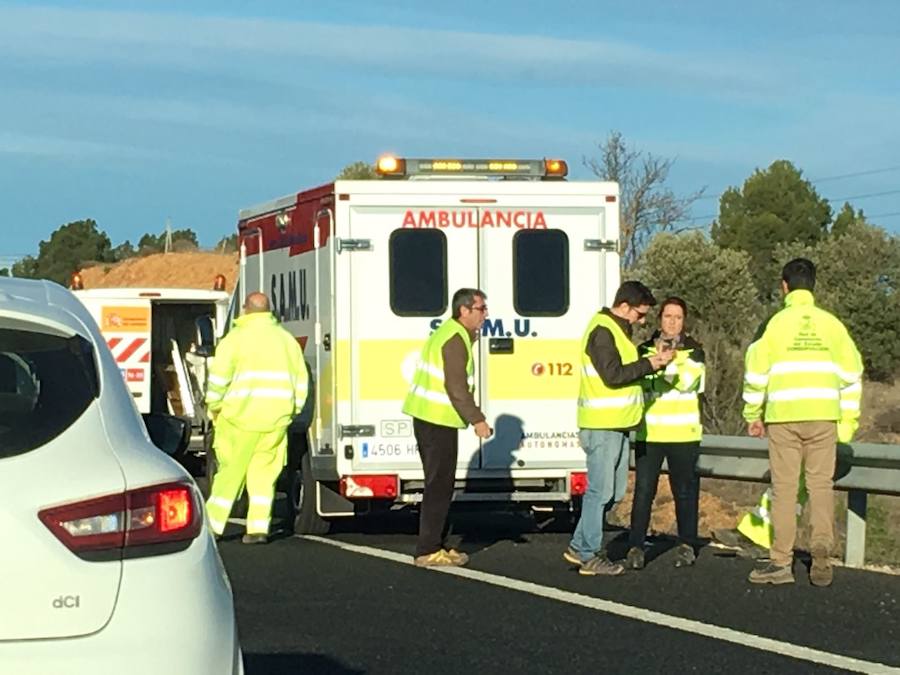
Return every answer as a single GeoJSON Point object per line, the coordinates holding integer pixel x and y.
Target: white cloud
{"type": "Point", "coordinates": [56, 147]}
{"type": "Point", "coordinates": [287, 47]}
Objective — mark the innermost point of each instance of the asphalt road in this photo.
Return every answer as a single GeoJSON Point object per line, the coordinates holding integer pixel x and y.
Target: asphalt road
{"type": "Point", "coordinates": [354, 604]}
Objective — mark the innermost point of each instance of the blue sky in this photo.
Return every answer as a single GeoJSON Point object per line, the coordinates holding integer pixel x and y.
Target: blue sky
{"type": "Point", "coordinates": [132, 112]}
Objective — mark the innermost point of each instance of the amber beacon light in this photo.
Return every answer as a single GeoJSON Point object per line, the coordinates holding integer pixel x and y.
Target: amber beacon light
{"type": "Point", "coordinates": [388, 165]}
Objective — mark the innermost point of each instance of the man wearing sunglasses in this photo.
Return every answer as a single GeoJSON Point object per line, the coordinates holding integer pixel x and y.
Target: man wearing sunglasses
{"type": "Point", "coordinates": [610, 404]}
{"type": "Point", "coordinates": [441, 402]}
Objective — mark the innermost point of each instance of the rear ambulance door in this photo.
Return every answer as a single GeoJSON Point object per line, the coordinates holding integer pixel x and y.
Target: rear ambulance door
{"type": "Point", "coordinates": [402, 280]}
{"type": "Point", "coordinates": [543, 284]}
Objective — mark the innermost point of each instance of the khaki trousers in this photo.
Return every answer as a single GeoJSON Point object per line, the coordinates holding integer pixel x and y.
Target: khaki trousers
{"type": "Point", "coordinates": [812, 446]}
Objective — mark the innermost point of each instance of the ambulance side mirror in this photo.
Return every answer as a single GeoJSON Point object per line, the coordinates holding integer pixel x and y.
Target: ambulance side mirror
{"type": "Point", "coordinates": [206, 336]}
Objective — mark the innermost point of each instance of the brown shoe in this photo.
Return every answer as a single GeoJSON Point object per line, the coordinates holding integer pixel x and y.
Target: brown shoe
{"type": "Point", "coordinates": [772, 574]}
{"type": "Point", "coordinates": [439, 558]}
{"type": "Point", "coordinates": [821, 572]}
{"type": "Point", "coordinates": [570, 555]}
{"type": "Point", "coordinates": [460, 557]}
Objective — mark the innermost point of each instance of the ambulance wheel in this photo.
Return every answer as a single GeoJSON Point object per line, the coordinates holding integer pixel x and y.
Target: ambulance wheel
{"type": "Point", "coordinates": [303, 500]}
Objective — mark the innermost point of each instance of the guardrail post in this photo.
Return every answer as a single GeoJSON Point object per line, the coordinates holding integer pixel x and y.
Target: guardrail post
{"type": "Point", "coordinates": [855, 554]}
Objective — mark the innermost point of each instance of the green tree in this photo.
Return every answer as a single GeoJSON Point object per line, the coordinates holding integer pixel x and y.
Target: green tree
{"type": "Point", "coordinates": [843, 220]}
{"type": "Point", "coordinates": [26, 268]}
{"type": "Point", "coordinates": [68, 248]}
{"type": "Point", "coordinates": [123, 251]}
{"type": "Point", "coordinates": [647, 205]}
{"type": "Point", "coordinates": [182, 240]}
{"type": "Point", "coordinates": [227, 244]}
{"type": "Point", "coordinates": [858, 279]}
{"type": "Point", "coordinates": [723, 313]}
{"type": "Point", "coordinates": [357, 171]}
{"type": "Point", "coordinates": [774, 206]}
{"type": "Point", "coordinates": [4, 272]}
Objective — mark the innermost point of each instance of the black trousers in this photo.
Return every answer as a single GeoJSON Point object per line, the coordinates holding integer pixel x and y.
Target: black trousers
{"type": "Point", "coordinates": [683, 479]}
{"type": "Point", "coordinates": [438, 448]}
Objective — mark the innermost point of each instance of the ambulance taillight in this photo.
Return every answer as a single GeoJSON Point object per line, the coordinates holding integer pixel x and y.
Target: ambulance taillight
{"type": "Point", "coordinates": [76, 283]}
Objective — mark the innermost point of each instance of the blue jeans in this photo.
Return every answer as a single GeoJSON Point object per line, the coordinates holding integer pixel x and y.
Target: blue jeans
{"type": "Point", "coordinates": [607, 471]}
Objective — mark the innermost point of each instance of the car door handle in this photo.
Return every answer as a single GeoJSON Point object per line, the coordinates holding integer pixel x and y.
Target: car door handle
{"type": "Point", "coordinates": [502, 345]}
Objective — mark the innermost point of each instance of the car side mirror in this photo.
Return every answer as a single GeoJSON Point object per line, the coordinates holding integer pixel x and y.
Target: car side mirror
{"type": "Point", "coordinates": [170, 434]}
{"type": "Point", "coordinates": [206, 336]}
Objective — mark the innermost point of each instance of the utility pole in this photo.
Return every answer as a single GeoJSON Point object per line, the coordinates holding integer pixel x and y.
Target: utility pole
{"type": "Point", "coordinates": [168, 246]}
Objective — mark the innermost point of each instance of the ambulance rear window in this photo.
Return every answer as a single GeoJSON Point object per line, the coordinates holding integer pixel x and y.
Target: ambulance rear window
{"type": "Point", "coordinates": [418, 271]}
{"type": "Point", "coordinates": [541, 272]}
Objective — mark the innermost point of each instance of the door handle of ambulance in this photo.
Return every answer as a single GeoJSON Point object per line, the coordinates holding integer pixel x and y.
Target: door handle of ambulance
{"type": "Point", "coordinates": [326, 342]}
{"type": "Point", "coordinates": [502, 345]}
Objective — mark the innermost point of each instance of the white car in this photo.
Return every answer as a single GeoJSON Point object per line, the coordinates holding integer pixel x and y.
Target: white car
{"type": "Point", "coordinates": [107, 563]}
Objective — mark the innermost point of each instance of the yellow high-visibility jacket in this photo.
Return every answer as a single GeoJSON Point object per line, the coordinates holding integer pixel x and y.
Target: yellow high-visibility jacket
{"type": "Point", "coordinates": [804, 368]}
{"type": "Point", "coordinates": [427, 398]}
{"type": "Point", "coordinates": [600, 406]}
{"type": "Point", "coordinates": [672, 395]}
{"type": "Point", "coordinates": [258, 379]}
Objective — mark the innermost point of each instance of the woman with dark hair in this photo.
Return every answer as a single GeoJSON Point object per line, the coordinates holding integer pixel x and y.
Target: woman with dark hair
{"type": "Point", "coordinates": [670, 430]}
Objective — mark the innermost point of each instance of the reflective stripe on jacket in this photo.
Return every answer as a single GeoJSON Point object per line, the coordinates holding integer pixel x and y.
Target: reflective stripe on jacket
{"type": "Point", "coordinates": [599, 406]}
{"type": "Point", "coordinates": [671, 396]}
{"type": "Point", "coordinates": [427, 398]}
{"type": "Point", "coordinates": [258, 379]}
{"type": "Point", "coordinates": [804, 368]}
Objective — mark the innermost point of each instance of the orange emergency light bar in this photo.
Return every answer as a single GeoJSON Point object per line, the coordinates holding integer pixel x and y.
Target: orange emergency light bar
{"type": "Point", "coordinates": [389, 166]}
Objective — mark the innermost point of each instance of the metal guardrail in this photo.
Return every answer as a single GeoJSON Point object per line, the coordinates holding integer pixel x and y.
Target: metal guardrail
{"type": "Point", "coordinates": [861, 469]}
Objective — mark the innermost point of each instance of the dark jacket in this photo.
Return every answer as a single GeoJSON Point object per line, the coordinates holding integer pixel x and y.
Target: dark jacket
{"type": "Point", "coordinates": [455, 380]}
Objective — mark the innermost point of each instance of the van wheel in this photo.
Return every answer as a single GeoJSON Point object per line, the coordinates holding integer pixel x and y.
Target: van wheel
{"type": "Point", "coordinates": [302, 496]}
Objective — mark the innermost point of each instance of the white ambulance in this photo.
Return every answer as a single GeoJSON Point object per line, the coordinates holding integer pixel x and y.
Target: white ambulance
{"type": "Point", "coordinates": [362, 271]}
{"type": "Point", "coordinates": [152, 333]}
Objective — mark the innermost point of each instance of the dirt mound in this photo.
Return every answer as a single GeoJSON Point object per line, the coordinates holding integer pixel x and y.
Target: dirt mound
{"type": "Point", "coordinates": [715, 512]}
{"type": "Point", "coordinates": [195, 269]}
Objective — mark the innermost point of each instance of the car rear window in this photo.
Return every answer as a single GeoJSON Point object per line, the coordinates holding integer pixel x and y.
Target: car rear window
{"type": "Point", "coordinates": [46, 382]}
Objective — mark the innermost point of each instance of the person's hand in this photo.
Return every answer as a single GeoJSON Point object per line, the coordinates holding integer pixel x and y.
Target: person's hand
{"type": "Point", "coordinates": [756, 428]}
{"type": "Point", "coordinates": [661, 359]}
{"type": "Point", "coordinates": [483, 430]}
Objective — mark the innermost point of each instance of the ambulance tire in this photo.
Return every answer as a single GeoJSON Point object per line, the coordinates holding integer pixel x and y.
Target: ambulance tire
{"type": "Point", "coordinates": [303, 500]}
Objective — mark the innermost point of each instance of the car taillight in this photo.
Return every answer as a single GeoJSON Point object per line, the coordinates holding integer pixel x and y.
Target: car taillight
{"type": "Point", "coordinates": [122, 525]}
{"type": "Point", "coordinates": [578, 483]}
{"type": "Point", "coordinates": [363, 486]}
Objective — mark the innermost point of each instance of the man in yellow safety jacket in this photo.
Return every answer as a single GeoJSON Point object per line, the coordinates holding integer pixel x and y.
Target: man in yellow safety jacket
{"type": "Point", "coordinates": [441, 402]}
{"type": "Point", "coordinates": [610, 403]}
{"type": "Point", "coordinates": [257, 382]}
{"type": "Point", "coordinates": [802, 388]}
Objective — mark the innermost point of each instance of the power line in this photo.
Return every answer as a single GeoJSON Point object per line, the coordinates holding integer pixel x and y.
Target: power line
{"type": "Point", "coordinates": [827, 199]}
{"type": "Point", "coordinates": [855, 174]}
{"type": "Point", "coordinates": [867, 172]}
{"type": "Point", "coordinates": [865, 196]}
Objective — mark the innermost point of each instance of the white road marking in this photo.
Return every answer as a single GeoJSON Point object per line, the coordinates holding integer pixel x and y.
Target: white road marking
{"type": "Point", "coordinates": [636, 613]}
